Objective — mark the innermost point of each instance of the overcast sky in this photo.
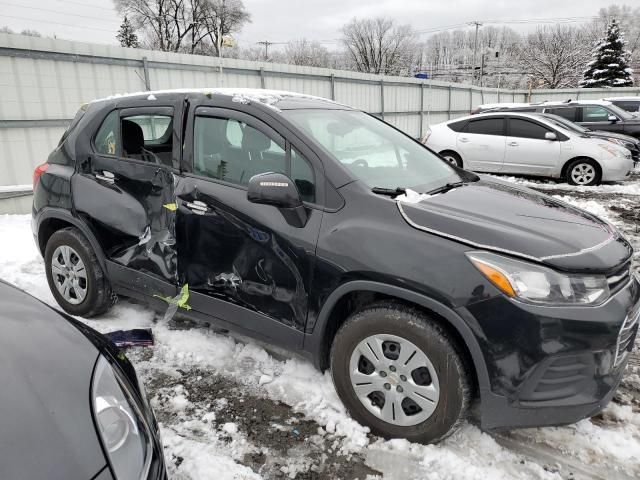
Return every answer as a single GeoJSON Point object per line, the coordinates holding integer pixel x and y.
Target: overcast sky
{"type": "Point", "coordinates": [284, 20]}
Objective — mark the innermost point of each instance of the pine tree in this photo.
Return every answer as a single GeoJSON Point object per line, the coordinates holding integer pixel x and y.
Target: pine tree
{"type": "Point", "coordinates": [610, 64]}
{"type": "Point", "coordinates": [127, 35]}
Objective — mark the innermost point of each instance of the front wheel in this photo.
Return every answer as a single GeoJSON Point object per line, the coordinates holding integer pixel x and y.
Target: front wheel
{"type": "Point", "coordinates": [400, 373]}
{"type": "Point", "coordinates": [452, 157]}
{"type": "Point", "coordinates": [583, 171]}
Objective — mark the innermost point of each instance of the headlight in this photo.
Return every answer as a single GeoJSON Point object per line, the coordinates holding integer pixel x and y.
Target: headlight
{"type": "Point", "coordinates": [125, 435]}
{"type": "Point", "coordinates": [537, 284]}
{"type": "Point", "coordinates": [616, 152]}
{"type": "Point", "coordinates": [620, 142]}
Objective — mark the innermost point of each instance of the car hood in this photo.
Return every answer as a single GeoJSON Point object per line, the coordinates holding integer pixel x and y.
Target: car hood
{"type": "Point", "coordinates": [46, 425]}
{"type": "Point", "coordinates": [498, 216]}
{"type": "Point", "coordinates": [620, 136]}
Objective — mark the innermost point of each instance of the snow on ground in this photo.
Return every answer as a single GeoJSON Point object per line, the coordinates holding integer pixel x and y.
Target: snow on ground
{"type": "Point", "coordinates": [229, 409]}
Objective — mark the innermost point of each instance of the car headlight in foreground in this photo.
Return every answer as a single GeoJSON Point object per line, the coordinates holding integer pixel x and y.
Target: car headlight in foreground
{"type": "Point", "coordinates": [537, 284]}
{"type": "Point", "coordinates": [124, 433]}
{"type": "Point", "coordinates": [616, 152]}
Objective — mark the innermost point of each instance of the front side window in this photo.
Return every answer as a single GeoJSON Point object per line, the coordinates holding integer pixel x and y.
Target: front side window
{"type": "Point", "coordinates": [233, 151]}
{"type": "Point", "coordinates": [486, 126]}
{"type": "Point", "coordinates": [595, 113]}
{"type": "Point", "coordinates": [525, 129]}
{"type": "Point", "coordinates": [372, 150]}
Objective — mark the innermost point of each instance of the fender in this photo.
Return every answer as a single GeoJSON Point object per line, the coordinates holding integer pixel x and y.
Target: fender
{"type": "Point", "coordinates": [61, 214]}
{"type": "Point", "coordinates": [314, 341]}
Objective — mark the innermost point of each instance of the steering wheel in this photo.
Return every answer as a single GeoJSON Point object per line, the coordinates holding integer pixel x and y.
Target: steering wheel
{"type": "Point", "coordinates": [361, 162]}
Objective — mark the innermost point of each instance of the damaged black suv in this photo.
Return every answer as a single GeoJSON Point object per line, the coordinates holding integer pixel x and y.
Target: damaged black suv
{"type": "Point", "coordinates": [317, 227]}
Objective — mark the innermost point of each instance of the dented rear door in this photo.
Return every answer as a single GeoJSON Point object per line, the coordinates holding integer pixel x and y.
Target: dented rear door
{"type": "Point", "coordinates": [124, 189]}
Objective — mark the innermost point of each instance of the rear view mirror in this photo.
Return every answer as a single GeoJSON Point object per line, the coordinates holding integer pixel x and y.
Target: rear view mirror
{"type": "Point", "coordinates": [280, 191]}
{"type": "Point", "coordinates": [613, 118]}
{"type": "Point", "coordinates": [550, 136]}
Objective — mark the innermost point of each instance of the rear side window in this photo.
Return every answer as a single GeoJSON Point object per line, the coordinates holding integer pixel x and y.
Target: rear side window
{"type": "Point", "coordinates": [148, 138]}
{"type": "Point", "coordinates": [486, 126]}
{"type": "Point", "coordinates": [457, 126]}
{"type": "Point", "coordinates": [568, 113]}
{"type": "Point", "coordinates": [106, 139]}
{"type": "Point", "coordinates": [526, 129]}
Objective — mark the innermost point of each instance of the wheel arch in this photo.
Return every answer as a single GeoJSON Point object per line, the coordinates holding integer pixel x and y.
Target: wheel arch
{"type": "Point", "coordinates": [332, 315]}
{"type": "Point", "coordinates": [50, 220]}
{"type": "Point", "coordinates": [565, 167]}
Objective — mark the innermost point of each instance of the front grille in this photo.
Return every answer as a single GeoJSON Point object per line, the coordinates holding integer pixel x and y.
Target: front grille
{"type": "Point", "coordinates": [626, 337]}
{"type": "Point", "coordinates": [619, 278]}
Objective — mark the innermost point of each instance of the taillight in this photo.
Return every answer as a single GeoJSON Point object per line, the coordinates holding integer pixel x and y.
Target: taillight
{"type": "Point", "coordinates": [40, 169]}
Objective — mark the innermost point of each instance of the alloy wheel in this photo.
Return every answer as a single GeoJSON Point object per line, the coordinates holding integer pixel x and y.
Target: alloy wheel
{"type": "Point", "coordinates": [451, 160]}
{"type": "Point", "coordinates": [394, 380]}
{"type": "Point", "coordinates": [69, 274]}
{"type": "Point", "coordinates": [583, 173]}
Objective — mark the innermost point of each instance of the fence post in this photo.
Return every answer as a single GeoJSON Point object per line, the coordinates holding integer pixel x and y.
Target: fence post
{"type": "Point", "coordinates": [261, 77]}
{"type": "Point", "coordinates": [382, 98]}
{"type": "Point", "coordinates": [332, 77]}
{"type": "Point", "coordinates": [421, 109]}
{"type": "Point", "coordinates": [470, 99]}
{"type": "Point", "coordinates": [449, 107]}
{"type": "Point", "coordinates": [145, 69]}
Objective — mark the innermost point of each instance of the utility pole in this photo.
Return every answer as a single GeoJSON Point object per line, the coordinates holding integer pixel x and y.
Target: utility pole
{"type": "Point", "coordinates": [475, 49]}
{"type": "Point", "coordinates": [266, 44]}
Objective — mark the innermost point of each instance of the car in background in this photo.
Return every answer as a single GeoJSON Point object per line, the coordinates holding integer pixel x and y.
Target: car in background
{"type": "Point", "coordinates": [630, 143]}
{"type": "Point", "coordinates": [592, 114]}
{"type": "Point", "coordinates": [528, 144]}
{"type": "Point", "coordinates": [72, 405]}
{"type": "Point", "coordinates": [630, 104]}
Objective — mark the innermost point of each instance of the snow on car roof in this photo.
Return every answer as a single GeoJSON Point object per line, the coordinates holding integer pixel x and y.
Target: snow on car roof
{"type": "Point", "coordinates": [609, 99]}
{"type": "Point", "coordinates": [503, 104]}
{"type": "Point", "coordinates": [242, 95]}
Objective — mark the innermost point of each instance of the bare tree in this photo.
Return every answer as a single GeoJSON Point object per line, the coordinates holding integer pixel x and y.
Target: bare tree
{"type": "Point", "coordinates": [306, 52]}
{"type": "Point", "coordinates": [194, 26]}
{"type": "Point", "coordinates": [554, 56]}
{"type": "Point", "coordinates": [380, 46]}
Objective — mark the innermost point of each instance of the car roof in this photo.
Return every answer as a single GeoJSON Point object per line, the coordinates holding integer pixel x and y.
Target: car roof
{"type": "Point", "coordinates": [576, 102]}
{"type": "Point", "coordinates": [275, 99]}
{"type": "Point", "coordinates": [609, 99]}
{"type": "Point", "coordinates": [530, 115]}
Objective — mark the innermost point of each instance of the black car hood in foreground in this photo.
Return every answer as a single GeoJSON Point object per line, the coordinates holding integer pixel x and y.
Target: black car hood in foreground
{"type": "Point", "coordinates": [46, 364]}
{"type": "Point", "coordinates": [492, 215]}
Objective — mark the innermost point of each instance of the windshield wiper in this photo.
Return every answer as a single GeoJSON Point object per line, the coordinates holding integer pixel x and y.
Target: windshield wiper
{"type": "Point", "coordinates": [446, 187]}
{"type": "Point", "coordinates": [391, 192]}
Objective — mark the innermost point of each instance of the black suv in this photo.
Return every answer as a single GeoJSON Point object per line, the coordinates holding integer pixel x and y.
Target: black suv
{"type": "Point", "coordinates": [320, 228]}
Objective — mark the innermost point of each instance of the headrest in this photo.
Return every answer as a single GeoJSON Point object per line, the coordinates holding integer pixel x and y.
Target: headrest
{"type": "Point", "coordinates": [132, 137]}
{"type": "Point", "coordinates": [253, 140]}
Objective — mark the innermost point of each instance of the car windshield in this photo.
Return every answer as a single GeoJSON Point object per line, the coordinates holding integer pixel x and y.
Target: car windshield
{"type": "Point", "coordinates": [564, 123]}
{"type": "Point", "coordinates": [620, 112]}
{"type": "Point", "coordinates": [373, 151]}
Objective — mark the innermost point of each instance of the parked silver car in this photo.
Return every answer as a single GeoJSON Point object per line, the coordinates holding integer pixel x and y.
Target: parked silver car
{"type": "Point", "coordinates": [528, 144]}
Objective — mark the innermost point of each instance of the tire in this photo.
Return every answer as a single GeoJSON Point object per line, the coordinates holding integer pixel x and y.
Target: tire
{"type": "Point", "coordinates": [444, 371]}
{"type": "Point", "coordinates": [584, 172]}
{"type": "Point", "coordinates": [70, 248]}
{"type": "Point", "coordinates": [452, 157]}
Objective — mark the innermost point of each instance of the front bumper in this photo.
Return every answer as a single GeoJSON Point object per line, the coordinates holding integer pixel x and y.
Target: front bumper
{"type": "Point", "coordinates": [616, 169]}
{"type": "Point", "coordinates": [551, 365]}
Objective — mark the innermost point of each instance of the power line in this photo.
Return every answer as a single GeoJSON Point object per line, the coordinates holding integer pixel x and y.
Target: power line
{"type": "Point", "coordinates": [84, 4]}
{"type": "Point", "coordinates": [54, 11]}
{"type": "Point", "coordinates": [48, 22]}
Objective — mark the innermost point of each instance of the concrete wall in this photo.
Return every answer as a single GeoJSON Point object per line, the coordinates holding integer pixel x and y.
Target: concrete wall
{"type": "Point", "coordinates": [44, 81]}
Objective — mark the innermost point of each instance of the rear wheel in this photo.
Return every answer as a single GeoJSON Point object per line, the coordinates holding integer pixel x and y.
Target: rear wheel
{"type": "Point", "coordinates": [452, 157]}
{"type": "Point", "coordinates": [583, 171]}
{"type": "Point", "coordinates": [74, 274]}
{"type": "Point", "coordinates": [398, 372]}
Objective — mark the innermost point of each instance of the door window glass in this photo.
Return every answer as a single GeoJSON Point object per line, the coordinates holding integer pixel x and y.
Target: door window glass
{"type": "Point", "coordinates": [595, 113]}
{"type": "Point", "coordinates": [486, 126]}
{"type": "Point", "coordinates": [525, 129]}
{"type": "Point", "coordinates": [568, 113]}
{"type": "Point", "coordinates": [107, 137]}
{"type": "Point", "coordinates": [233, 151]}
{"type": "Point", "coordinates": [148, 138]}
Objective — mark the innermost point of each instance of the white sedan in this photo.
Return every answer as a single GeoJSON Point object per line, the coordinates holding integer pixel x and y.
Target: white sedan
{"type": "Point", "coordinates": [528, 144]}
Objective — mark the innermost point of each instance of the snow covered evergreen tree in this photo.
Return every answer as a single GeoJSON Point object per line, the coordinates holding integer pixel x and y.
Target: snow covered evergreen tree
{"type": "Point", "coordinates": [610, 64]}
{"type": "Point", "coordinates": [127, 35]}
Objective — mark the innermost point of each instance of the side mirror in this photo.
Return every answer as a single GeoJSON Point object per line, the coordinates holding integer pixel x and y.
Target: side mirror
{"type": "Point", "coordinates": [613, 118]}
{"type": "Point", "coordinates": [550, 136]}
{"type": "Point", "coordinates": [280, 191]}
